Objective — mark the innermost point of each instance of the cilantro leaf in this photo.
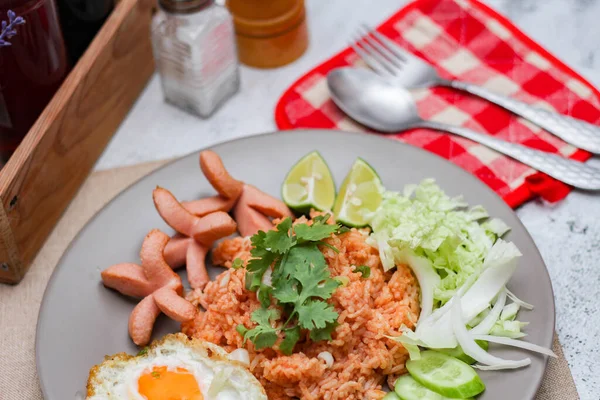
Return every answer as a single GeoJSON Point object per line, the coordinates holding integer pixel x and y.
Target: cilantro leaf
{"type": "Point", "coordinates": [264, 295]}
{"type": "Point", "coordinates": [364, 270]}
{"type": "Point", "coordinates": [291, 338]}
{"type": "Point", "coordinates": [265, 339]}
{"type": "Point", "coordinates": [315, 280]}
{"type": "Point", "coordinates": [301, 282]}
{"type": "Point", "coordinates": [261, 260]}
{"type": "Point", "coordinates": [286, 291]}
{"type": "Point", "coordinates": [258, 241]}
{"type": "Point", "coordinates": [263, 316]}
{"type": "Point", "coordinates": [257, 266]}
{"type": "Point", "coordinates": [263, 335]}
{"type": "Point", "coordinates": [298, 255]}
{"type": "Point", "coordinates": [317, 335]}
{"type": "Point", "coordinates": [279, 240]}
{"type": "Point", "coordinates": [316, 314]}
{"type": "Point", "coordinates": [314, 232]}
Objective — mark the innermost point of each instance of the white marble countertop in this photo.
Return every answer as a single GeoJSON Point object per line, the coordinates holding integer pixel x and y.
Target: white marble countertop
{"type": "Point", "coordinates": [568, 234]}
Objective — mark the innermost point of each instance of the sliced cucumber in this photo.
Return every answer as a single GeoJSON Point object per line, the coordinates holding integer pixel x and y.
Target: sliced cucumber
{"type": "Point", "coordinates": [458, 352]}
{"type": "Point", "coordinates": [445, 375]}
{"type": "Point", "coordinates": [391, 396]}
{"type": "Point", "coordinates": [408, 389]}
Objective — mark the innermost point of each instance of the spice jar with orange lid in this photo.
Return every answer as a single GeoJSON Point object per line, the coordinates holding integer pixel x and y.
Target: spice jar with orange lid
{"type": "Point", "coordinates": [269, 33]}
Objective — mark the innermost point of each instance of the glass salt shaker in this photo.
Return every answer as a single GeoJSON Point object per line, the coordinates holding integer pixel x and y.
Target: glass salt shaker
{"type": "Point", "coordinates": [196, 58]}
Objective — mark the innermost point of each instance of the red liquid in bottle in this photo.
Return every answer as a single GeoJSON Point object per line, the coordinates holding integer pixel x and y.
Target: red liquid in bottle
{"type": "Point", "coordinates": [31, 69]}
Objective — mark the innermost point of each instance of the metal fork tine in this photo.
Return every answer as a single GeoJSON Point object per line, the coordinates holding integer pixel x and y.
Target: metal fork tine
{"type": "Point", "coordinates": [369, 60]}
{"type": "Point", "coordinates": [396, 61]}
{"type": "Point", "coordinates": [373, 53]}
{"type": "Point", "coordinates": [391, 45]}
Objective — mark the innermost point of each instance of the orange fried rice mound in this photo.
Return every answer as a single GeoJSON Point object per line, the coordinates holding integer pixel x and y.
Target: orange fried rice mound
{"type": "Point", "coordinates": [369, 309]}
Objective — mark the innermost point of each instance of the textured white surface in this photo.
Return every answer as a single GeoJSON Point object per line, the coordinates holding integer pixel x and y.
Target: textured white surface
{"type": "Point", "coordinates": [568, 234]}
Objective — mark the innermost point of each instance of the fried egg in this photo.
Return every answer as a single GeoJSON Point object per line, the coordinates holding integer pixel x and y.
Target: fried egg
{"type": "Point", "coordinates": [174, 368]}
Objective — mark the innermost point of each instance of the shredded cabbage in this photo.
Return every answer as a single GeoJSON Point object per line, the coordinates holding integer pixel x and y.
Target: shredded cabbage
{"type": "Point", "coordinates": [462, 266]}
{"type": "Point", "coordinates": [429, 223]}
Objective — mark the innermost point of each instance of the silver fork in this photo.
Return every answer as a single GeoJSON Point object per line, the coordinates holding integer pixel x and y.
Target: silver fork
{"type": "Point", "coordinates": [391, 61]}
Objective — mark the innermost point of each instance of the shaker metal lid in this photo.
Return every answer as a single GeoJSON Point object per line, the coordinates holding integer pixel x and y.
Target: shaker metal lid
{"type": "Point", "coordinates": [184, 6]}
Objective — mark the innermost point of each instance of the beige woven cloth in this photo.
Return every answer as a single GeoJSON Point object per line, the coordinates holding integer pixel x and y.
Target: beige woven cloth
{"type": "Point", "coordinates": [19, 305]}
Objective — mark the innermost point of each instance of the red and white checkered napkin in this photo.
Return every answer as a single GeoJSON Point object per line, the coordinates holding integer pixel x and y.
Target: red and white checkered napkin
{"type": "Point", "coordinates": [466, 40]}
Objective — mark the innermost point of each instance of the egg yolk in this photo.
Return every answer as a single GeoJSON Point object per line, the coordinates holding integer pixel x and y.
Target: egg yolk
{"type": "Point", "coordinates": [162, 384]}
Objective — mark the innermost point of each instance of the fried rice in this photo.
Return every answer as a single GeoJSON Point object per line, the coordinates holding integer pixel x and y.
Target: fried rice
{"type": "Point", "coordinates": [369, 310]}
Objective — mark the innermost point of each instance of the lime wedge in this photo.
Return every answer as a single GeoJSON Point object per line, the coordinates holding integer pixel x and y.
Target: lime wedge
{"type": "Point", "coordinates": [445, 375]}
{"type": "Point", "coordinates": [309, 184]}
{"type": "Point", "coordinates": [359, 196]}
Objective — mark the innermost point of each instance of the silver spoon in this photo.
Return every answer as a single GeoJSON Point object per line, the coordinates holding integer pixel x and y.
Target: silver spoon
{"type": "Point", "coordinates": [381, 105]}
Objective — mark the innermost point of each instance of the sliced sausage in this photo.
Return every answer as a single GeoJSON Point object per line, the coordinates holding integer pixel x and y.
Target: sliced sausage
{"type": "Point", "coordinates": [264, 203]}
{"type": "Point", "coordinates": [196, 265]}
{"type": "Point", "coordinates": [214, 170]}
{"type": "Point", "coordinates": [174, 306]}
{"type": "Point", "coordinates": [128, 279]}
{"type": "Point", "coordinates": [173, 212]}
{"type": "Point", "coordinates": [249, 220]}
{"type": "Point", "coordinates": [213, 227]}
{"type": "Point", "coordinates": [153, 262]}
{"type": "Point", "coordinates": [141, 321]}
{"type": "Point", "coordinates": [209, 205]}
{"type": "Point", "coordinates": [176, 250]}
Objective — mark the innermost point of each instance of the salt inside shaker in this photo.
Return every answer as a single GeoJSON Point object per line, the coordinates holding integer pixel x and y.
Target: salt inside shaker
{"type": "Point", "coordinates": [194, 49]}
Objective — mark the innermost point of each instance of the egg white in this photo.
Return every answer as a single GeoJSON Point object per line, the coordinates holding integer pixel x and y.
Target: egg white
{"type": "Point", "coordinates": [218, 377]}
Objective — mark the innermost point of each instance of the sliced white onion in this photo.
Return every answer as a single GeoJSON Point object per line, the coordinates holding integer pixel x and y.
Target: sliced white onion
{"type": "Point", "coordinates": [520, 302]}
{"type": "Point", "coordinates": [472, 349]}
{"type": "Point", "coordinates": [240, 355]}
{"type": "Point", "coordinates": [509, 311]}
{"type": "Point", "coordinates": [327, 357]}
{"type": "Point", "coordinates": [516, 343]}
{"type": "Point", "coordinates": [426, 276]}
{"type": "Point", "coordinates": [436, 330]}
{"type": "Point", "coordinates": [485, 326]}
{"type": "Point", "coordinates": [496, 367]}
{"type": "Point", "coordinates": [266, 278]}
{"type": "Point", "coordinates": [226, 278]}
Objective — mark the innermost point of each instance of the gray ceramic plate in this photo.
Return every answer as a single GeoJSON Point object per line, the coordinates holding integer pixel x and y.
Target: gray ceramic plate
{"type": "Point", "coordinates": [81, 321]}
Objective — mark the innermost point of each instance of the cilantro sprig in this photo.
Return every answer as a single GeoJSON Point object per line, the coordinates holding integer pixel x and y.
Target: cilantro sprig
{"type": "Point", "coordinates": [301, 284]}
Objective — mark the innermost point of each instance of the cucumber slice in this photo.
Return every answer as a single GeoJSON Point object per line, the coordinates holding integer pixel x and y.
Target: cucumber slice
{"type": "Point", "coordinates": [391, 396]}
{"type": "Point", "coordinates": [309, 184]}
{"type": "Point", "coordinates": [458, 352]}
{"type": "Point", "coordinates": [445, 375]}
{"type": "Point", "coordinates": [408, 389]}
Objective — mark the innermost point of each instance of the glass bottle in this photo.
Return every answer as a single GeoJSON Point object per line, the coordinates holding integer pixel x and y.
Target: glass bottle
{"type": "Point", "coordinates": [194, 48]}
{"type": "Point", "coordinates": [32, 68]}
{"type": "Point", "coordinates": [80, 21]}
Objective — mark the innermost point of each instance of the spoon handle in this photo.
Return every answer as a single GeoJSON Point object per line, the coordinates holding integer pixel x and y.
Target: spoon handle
{"type": "Point", "coordinates": [574, 173]}
{"type": "Point", "coordinates": [574, 131]}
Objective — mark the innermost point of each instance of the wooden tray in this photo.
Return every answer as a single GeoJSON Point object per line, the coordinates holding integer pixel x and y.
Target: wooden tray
{"type": "Point", "coordinates": [45, 172]}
